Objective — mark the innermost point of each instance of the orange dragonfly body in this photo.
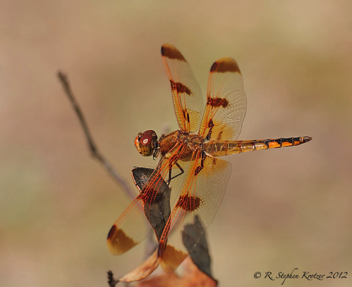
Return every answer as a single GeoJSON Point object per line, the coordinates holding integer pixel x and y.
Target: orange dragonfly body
{"type": "Point", "coordinates": [189, 162]}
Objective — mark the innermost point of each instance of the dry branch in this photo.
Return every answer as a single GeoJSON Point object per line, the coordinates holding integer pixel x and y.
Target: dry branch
{"type": "Point", "coordinates": [92, 146]}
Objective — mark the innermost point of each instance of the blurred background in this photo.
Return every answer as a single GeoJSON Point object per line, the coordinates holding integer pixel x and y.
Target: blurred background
{"type": "Point", "coordinates": [283, 209]}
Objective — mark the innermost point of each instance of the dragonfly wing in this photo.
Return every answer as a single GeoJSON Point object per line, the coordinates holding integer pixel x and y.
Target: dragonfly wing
{"type": "Point", "coordinates": [201, 194]}
{"type": "Point", "coordinates": [226, 102]}
{"type": "Point", "coordinates": [129, 229]}
{"type": "Point", "coordinates": [186, 93]}
{"type": "Point", "coordinates": [135, 222]}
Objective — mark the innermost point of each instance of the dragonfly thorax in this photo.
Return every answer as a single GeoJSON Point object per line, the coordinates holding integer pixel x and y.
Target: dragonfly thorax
{"type": "Point", "coordinates": [185, 143]}
{"type": "Point", "coordinates": [147, 143]}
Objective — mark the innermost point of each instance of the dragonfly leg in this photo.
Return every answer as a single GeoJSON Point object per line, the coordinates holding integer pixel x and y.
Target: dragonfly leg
{"type": "Point", "coordinates": [170, 174]}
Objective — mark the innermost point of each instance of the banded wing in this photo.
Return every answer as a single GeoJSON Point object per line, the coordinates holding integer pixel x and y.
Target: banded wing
{"type": "Point", "coordinates": [186, 93]}
{"type": "Point", "coordinates": [133, 225]}
{"type": "Point", "coordinates": [129, 229]}
{"type": "Point", "coordinates": [201, 194]}
{"type": "Point", "coordinates": [226, 102]}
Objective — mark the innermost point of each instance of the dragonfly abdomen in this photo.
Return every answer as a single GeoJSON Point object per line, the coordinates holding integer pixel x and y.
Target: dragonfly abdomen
{"type": "Point", "coordinates": [222, 148]}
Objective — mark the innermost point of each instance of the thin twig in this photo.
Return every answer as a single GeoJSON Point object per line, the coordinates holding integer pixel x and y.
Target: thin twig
{"type": "Point", "coordinates": [111, 280]}
{"type": "Point", "coordinates": [92, 147]}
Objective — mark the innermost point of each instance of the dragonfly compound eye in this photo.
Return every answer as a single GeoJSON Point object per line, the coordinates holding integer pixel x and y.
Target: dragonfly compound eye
{"type": "Point", "coordinates": [146, 143]}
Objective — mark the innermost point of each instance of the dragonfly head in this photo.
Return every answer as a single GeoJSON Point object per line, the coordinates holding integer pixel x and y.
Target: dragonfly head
{"type": "Point", "coordinates": [147, 143]}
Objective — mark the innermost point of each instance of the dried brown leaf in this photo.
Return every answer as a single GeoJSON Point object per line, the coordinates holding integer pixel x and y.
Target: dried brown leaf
{"type": "Point", "coordinates": [192, 277]}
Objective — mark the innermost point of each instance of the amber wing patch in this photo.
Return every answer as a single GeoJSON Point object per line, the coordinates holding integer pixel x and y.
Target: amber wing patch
{"type": "Point", "coordinates": [226, 102]}
{"type": "Point", "coordinates": [186, 93]}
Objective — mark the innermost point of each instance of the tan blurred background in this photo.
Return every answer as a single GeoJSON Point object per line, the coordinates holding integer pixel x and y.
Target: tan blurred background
{"type": "Point", "coordinates": [283, 208]}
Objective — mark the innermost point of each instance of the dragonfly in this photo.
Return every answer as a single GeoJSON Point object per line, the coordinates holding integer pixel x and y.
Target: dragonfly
{"type": "Point", "coordinates": [189, 164]}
